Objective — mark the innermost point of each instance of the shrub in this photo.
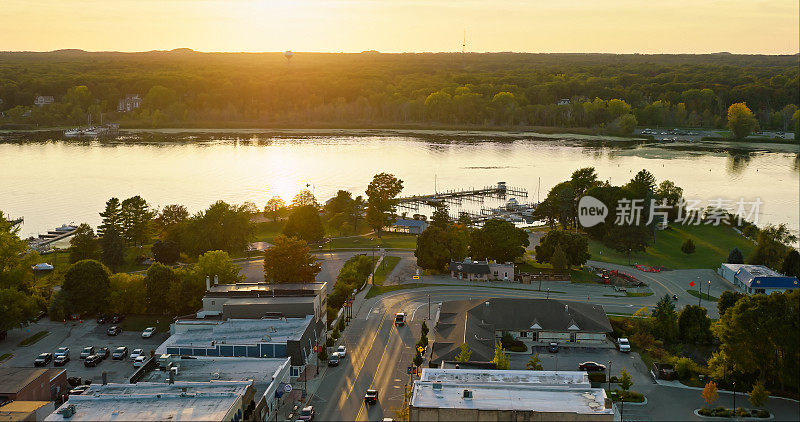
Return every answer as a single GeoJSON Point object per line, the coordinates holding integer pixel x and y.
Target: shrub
{"type": "Point", "coordinates": [742, 412]}
{"type": "Point", "coordinates": [688, 247]}
{"type": "Point", "coordinates": [340, 326]}
{"type": "Point", "coordinates": [724, 414]}
{"type": "Point", "coordinates": [597, 377]}
{"type": "Point", "coordinates": [519, 348]}
{"type": "Point", "coordinates": [335, 334]}
{"type": "Point", "coordinates": [719, 409]}
{"type": "Point", "coordinates": [614, 379]}
{"type": "Point", "coordinates": [329, 342]}
{"type": "Point", "coordinates": [704, 411]}
{"type": "Point", "coordinates": [762, 414]}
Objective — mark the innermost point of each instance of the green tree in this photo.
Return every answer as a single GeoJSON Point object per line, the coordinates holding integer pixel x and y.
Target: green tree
{"type": "Point", "coordinates": [135, 216]}
{"type": "Point", "coordinates": [304, 198]}
{"type": "Point", "coordinates": [158, 284]}
{"type": "Point", "coordinates": [83, 244]}
{"type": "Point", "coordinates": [694, 326]}
{"type": "Point", "coordinates": [534, 363]}
{"type": "Point", "coordinates": [382, 194]}
{"type": "Point", "coordinates": [86, 287]}
{"type": "Point", "coordinates": [642, 183]}
{"type": "Point", "coordinates": [741, 120]}
{"type": "Point", "coordinates": [304, 223]}
{"type": "Point", "coordinates": [220, 264]}
{"type": "Point", "coordinates": [669, 194]}
{"type": "Point", "coordinates": [113, 248]}
{"type": "Point", "coordinates": [222, 226]}
{"type": "Point", "coordinates": [418, 357]}
{"type": "Point", "coordinates": [500, 357]}
{"type": "Point", "coordinates": [687, 246]}
{"type": "Point", "coordinates": [582, 180]}
{"type": "Point", "coordinates": [574, 246]}
{"type": "Point", "coordinates": [274, 206]}
{"type": "Point", "coordinates": [771, 246]}
{"type": "Point", "coordinates": [727, 299]}
{"type": "Point", "coordinates": [289, 260]}
{"type": "Point", "coordinates": [186, 296]}
{"type": "Point", "coordinates": [165, 252]}
{"type": "Point", "coordinates": [438, 106]}
{"type": "Point", "coordinates": [665, 322]}
{"type": "Point", "coordinates": [436, 247]}
{"type": "Point", "coordinates": [735, 257]}
{"type": "Point", "coordinates": [169, 217]}
{"type": "Point", "coordinates": [498, 240]}
{"type": "Point", "coordinates": [15, 259]}
{"type": "Point", "coordinates": [15, 307]}
{"type": "Point", "coordinates": [559, 259]}
{"type": "Point", "coordinates": [127, 294]}
{"type": "Point", "coordinates": [625, 380]}
{"type": "Point", "coordinates": [758, 395]}
{"type": "Point", "coordinates": [625, 124]}
{"type": "Point", "coordinates": [791, 264]}
{"type": "Point", "coordinates": [464, 354]}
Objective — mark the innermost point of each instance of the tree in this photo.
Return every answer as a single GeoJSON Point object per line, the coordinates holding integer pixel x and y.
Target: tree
{"type": "Point", "coordinates": [709, 393]}
{"type": "Point", "coordinates": [464, 354]}
{"type": "Point", "coordinates": [135, 216]}
{"type": "Point", "coordinates": [666, 319]}
{"type": "Point", "coordinates": [436, 247]}
{"type": "Point", "coordinates": [727, 299]}
{"type": "Point", "coordinates": [441, 218]}
{"type": "Point", "coordinates": [111, 217]}
{"type": "Point", "coordinates": [128, 294]}
{"type": "Point", "coordinates": [113, 248]}
{"type": "Point", "coordinates": [165, 252]}
{"type": "Point", "coordinates": [687, 246]}
{"type": "Point", "coordinates": [304, 223]}
{"type": "Point", "coordinates": [418, 357]}
{"type": "Point", "coordinates": [735, 257]}
{"type": "Point", "coordinates": [625, 380]}
{"type": "Point", "coordinates": [15, 258]}
{"type": "Point", "coordinates": [158, 283]}
{"type": "Point", "coordinates": [424, 329]}
{"type": "Point", "coordinates": [15, 307]}
{"type": "Point", "coordinates": [741, 120]}
{"type": "Point", "coordinates": [381, 193]}
{"type": "Point", "coordinates": [791, 264]}
{"type": "Point", "coordinates": [186, 296]}
{"type": "Point", "coordinates": [222, 227]}
{"type": "Point", "coordinates": [559, 260]}
{"type": "Point", "coordinates": [83, 244]}
{"type": "Point", "coordinates": [758, 395]}
{"type": "Point", "coordinates": [582, 180]}
{"type": "Point", "coordinates": [289, 261]}
{"type": "Point", "coordinates": [498, 240]}
{"type": "Point", "coordinates": [220, 264]}
{"type": "Point", "coordinates": [169, 217]}
{"type": "Point", "coordinates": [304, 198]}
{"type": "Point", "coordinates": [534, 363]}
{"type": "Point", "coordinates": [626, 124]}
{"type": "Point", "coordinates": [771, 246]}
{"type": "Point", "coordinates": [642, 183]}
{"type": "Point", "coordinates": [86, 287]}
{"type": "Point", "coordinates": [274, 206]}
{"type": "Point", "coordinates": [575, 248]}
{"type": "Point", "coordinates": [670, 194]}
{"type": "Point", "coordinates": [500, 358]}
{"type": "Point", "coordinates": [694, 326]}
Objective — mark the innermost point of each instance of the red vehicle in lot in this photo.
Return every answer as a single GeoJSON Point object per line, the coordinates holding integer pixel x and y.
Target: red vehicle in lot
{"type": "Point", "coordinates": [591, 367]}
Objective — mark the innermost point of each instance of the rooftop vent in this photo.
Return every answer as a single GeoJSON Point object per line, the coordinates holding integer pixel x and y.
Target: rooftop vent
{"type": "Point", "coordinates": [67, 412]}
{"type": "Point", "coordinates": [566, 308]}
{"type": "Point", "coordinates": [467, 394]}
{"type": "Point", "coordinates": [437, 386]}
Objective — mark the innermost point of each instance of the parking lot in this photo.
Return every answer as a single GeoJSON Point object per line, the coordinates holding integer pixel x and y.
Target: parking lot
{"type": "Point", "coordinates": [76, 336]}
{"type": "Point", "coordinates": [568, 359]}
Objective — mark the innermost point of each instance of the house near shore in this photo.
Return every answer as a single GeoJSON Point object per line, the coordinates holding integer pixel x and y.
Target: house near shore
{"type": "Point", "coordinates": [481, 270]}
{"type": "Point", "coordinates": [42, 100]}
{"type": "Point", "coordinates": [403, 225]}
{"type": "Point", "coordinates": [563, 101]}
{"type": "Point", "coordinates": [757, 279]}
{"type": "Point", "coordinates": [129, 103]}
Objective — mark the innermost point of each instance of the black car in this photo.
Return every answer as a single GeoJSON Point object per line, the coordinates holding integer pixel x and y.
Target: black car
{"type": "Point", "coordinates": [591, 367]}
{"type": "Point", "coordinates": [86, 352]}
{"type": "Point", "coordinates": [102, 319]}
{"type": "Point", "coordinates": [119, 353]}
{"type": "Point", "coordinates": [114, 330]}
{"type": "Point", "coordinates": [61, 360]}
{"type": "Point", "coordinates": [92, 360]}
{"type": "Point", "coordinates": [102, 352]}
{"type": "Point", "coordinates": [371, 397]}
{"type": "Point", "coordinates": [552, 348]}
{"type": "Point", "coordinates": [43, 359]}
{"type": "Point", "coordinates": [116, 319]}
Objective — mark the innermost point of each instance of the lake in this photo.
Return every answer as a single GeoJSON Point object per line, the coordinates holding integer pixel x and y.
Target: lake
{"type": "Point", "coordinates": [50, 182]}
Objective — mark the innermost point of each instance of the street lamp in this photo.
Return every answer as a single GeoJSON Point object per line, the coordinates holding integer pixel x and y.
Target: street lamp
{"type": "Point", "coordinates": [709, 289]}
{"type": "Point", "coordinates": [629, 256]}
{"type": "Point", "coordinates": [734, 395]}
{"type": "Point", "coordinates": [548, 293]}
{"type": "Point", "coordinates": [609, 377]}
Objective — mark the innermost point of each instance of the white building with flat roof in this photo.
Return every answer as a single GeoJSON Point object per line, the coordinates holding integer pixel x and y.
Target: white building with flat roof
{"type": "Point", "coordinates": [485, 394]}
{"type": "Point", "coordinates": [157, 401]}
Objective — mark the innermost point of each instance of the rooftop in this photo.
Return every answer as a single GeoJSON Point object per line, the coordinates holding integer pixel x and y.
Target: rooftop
{"type": "Point", "coordinates": [201, 333]}
{"type": "Point", "coordinates": [12, 380]}
{"type": "Point", "coordinates": [276, 289]}
{"type": "Point", "coordinates": [410, 223]}
{"type": "Point", "coordinates": [539, 391]}
{"type": "Point", "coordinates": [148, 401]}
{"type": "Point", "coordinates": [201, 368]}
{"type": "Point", "coordinates": [759, 276]}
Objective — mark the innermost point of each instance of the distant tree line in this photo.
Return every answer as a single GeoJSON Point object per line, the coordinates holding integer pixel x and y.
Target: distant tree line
{"type": "Point", "coordinates": [610, 92]}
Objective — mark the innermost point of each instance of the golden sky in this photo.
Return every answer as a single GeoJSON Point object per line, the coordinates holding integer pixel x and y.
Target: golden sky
{"type": "Point", "coordinates": [615, 26]}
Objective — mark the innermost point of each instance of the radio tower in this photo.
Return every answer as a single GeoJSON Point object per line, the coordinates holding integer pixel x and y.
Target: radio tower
{"type": "Point", "coordinates": [464, 43]}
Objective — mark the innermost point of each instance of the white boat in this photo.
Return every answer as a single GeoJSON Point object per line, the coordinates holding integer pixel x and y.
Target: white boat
{"type": "Point", "coordinates": [95, 131]}
{"type": "Point", "coordinates": [73, 132]}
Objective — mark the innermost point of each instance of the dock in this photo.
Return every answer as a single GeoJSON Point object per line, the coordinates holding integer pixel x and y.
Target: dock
{"type": "Point", "coordinates": [43, 242]}
{"type": "Point", "coordinates": [458, 197]}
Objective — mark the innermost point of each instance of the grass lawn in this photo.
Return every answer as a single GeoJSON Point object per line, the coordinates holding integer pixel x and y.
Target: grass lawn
{"type": "Point", "coordinates": [713, 244]}
{"type": "Point", "coordinates": [379, 290]}
{"type": "Point", "coordinates": [388, 240]}
{"type": "Point", "coordinates": [34, 338]}
{"type": "Point", "coordinates": [267, 230]}
{"type": "Point", "coordinates": [140, 322]}
{"type": "Point", "coordinates": [5, 356]}
{"type": "Point", "coordinates": [695, 293]}
{"type": "Point", "coordinates": [386, 267]}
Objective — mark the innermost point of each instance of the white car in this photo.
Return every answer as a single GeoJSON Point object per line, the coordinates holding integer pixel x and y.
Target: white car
{"type": "Point", "coordinates": [148, 332]}
{"type": "Point", "coordinates": [139, 361]}
{"type": "Point", "coordinates": [136, 353]}
{"type": "Point", "coordinates": [623, 345]}
{"type": "Point", "coordinates": [342, 351]}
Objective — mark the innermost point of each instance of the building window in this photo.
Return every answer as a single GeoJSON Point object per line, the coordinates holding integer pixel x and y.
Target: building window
{"type": "Point", "coordinates": [523, 334]}
{"type": "Point", "coordinates": [212, 302]}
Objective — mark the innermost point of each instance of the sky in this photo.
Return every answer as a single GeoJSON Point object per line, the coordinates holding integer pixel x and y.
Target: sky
{"type": "Point", "coordinates": [547, 26]}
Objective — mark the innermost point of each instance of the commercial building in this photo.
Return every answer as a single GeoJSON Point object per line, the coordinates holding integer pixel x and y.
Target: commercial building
{"type": "Point", "coordinates": [23, 410]}
{"type": "Point", "coordinates": [757, 279]}
{"type": "Point", "coordinates": [158, 401]}
{"type": "Point", "coordinates": [507, 395]}
{"type": "Point", "coordinates": [268, 377]}
{"type": "Point", "coordinates": [403, 225]}
{"type": "Point", "coordinates": [256, 300]}
{"type": "Point", "coordinates": [481, 270]}
{"type": "Point", "coordinates": [480, 323]}
{"type": "Point", "coordinates": [32, 384]}
{"type": "Point", "coordinates": [294, 338]}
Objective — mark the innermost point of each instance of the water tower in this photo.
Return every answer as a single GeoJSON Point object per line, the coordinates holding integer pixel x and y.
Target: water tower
{"type": "Point", "coordinates": [288, 54]}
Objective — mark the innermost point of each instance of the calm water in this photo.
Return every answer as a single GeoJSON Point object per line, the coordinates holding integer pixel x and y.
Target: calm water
{"type": "Point", "coordinates": [53, 182]}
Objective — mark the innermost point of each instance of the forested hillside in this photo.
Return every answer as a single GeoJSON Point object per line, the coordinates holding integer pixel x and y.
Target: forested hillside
{"type": "Point", "coordinates": [186, 88]}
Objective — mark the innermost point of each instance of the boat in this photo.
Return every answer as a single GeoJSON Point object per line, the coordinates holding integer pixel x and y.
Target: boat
{"type": "Point", "coordinates": [73, 132]}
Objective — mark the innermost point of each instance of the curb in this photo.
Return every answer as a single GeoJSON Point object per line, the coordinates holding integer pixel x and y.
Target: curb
{"type": "Point", "coordinates": [733, 418]}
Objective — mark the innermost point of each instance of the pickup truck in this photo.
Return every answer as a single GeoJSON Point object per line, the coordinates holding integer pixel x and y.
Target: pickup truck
{"type": "Point", "coordinates": [400, 319]}
{"type": "Point", "coordinates": [623, 345]}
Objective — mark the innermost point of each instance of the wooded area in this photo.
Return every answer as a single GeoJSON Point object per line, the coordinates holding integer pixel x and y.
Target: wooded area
{"type": "Point", "coordinates": [183, 88]}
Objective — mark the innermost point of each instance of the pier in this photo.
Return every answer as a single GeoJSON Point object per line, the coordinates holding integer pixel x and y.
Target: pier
{"type": "Point", "coordinates": [43, 242]}
{"type": "Point", "coordinates": [458, 197]}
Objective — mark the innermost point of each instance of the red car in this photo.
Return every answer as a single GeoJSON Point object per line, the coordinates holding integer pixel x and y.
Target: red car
{"type": "Point", "coordinates": [591, 367]}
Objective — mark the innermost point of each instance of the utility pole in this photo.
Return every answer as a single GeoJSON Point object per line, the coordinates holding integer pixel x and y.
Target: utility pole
{"type": "Point", "coordinates": [429, 306]}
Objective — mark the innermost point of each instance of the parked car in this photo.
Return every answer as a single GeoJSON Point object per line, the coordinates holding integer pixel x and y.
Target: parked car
{"type": "Point", "coordinates": [102, 352]}
{"type": "Point", "coordinates": [43, 359]}
{"type": "Point", "coordinates": [591, 367]}
{"type": "Point", "coordinates": [119, 353]}
{"type": "Point", "coordinates": [77, 391]}
{"type": "Point", "coordinates": [102, 319]}
{"type": "Point", "coordinates": [333, 360]}
{"type": "Point", "coordinates": [371, 397]}
{"type": "Point", "coordinates": [664, 371]}
{"type": "Point", "coordinates": [674, 297]}
{"type": "Point", "coordinates": [86, 352]}
{"type": "Point", "coordinates": [92, 360]}
{"type": "Point", "coordinates": [136, 353]}
{"type": "Point", "coordinates": [116, 319]}
{"type": "Point", "coordinates": [400, 319]}
{"type": "Point", "coordinates": [61, 351]}
{"type": "Point", "coordinates": [114, 330]}
{"type": "Point", "coordinates": [552, 347]}
{"type": "Point", "coordinates": [623, 345]}
{"type": "Point", "coordinates": [342, 351]}
{"type": "Point", "coordinates": [139, 361]}
{"type": "Point", "coordinates": [60, 360]}
{"type": "Point", "coordinates": [148, 332]}
{"type": "Point", "coordinates": [307, 414]}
